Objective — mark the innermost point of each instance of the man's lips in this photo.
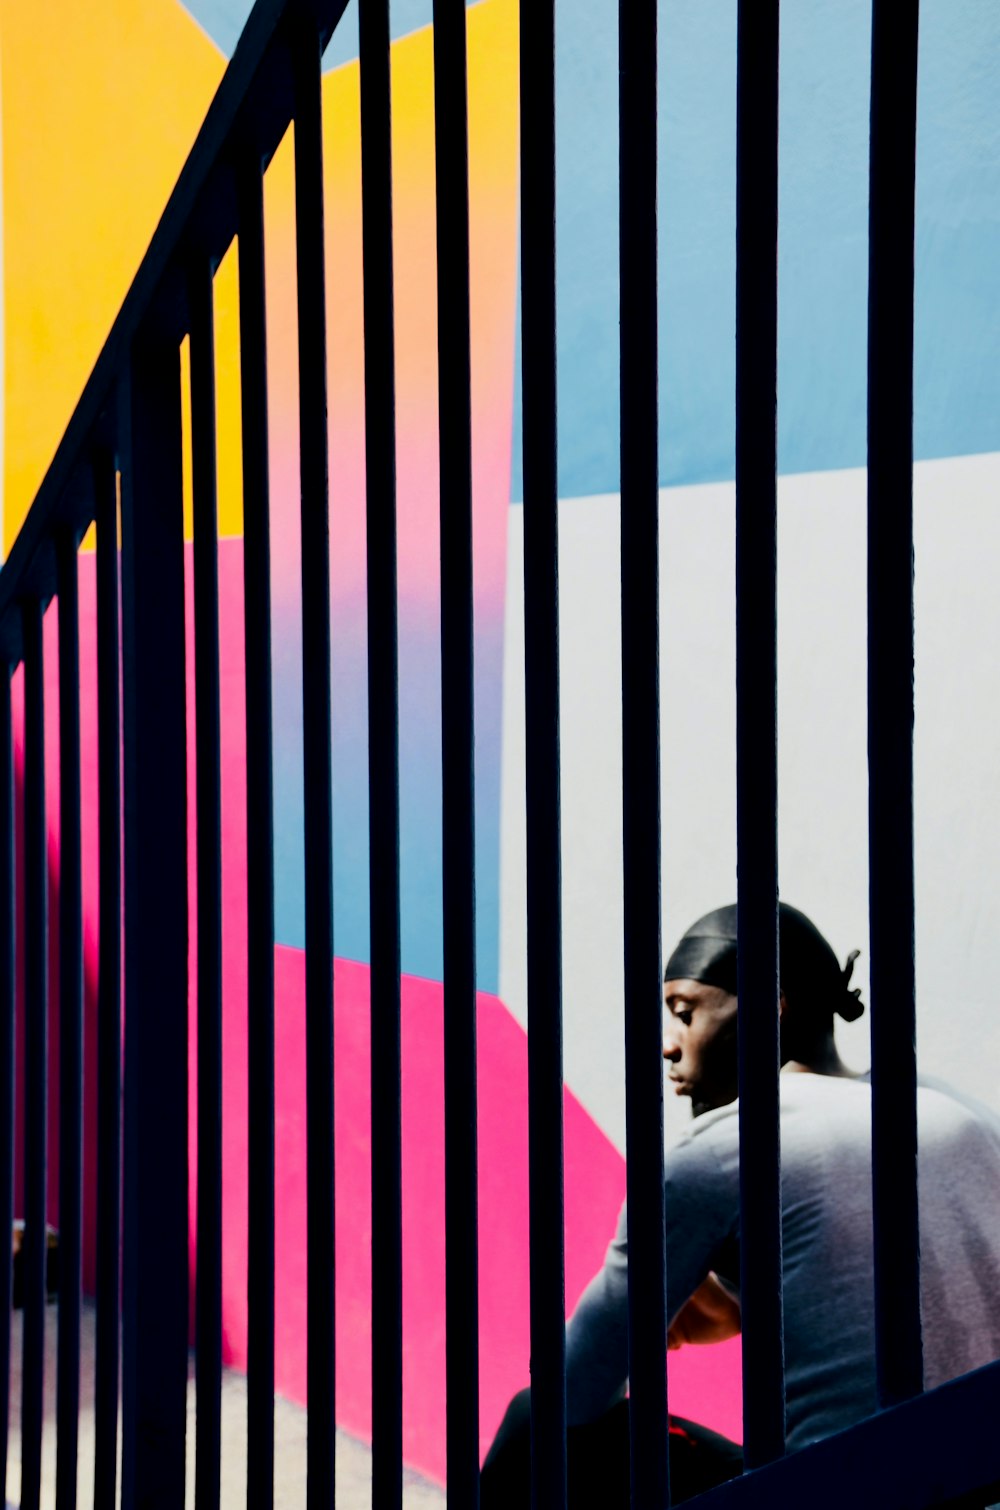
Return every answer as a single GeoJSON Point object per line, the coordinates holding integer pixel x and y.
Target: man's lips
{"type": "Point", "coordinates": [681, 1087]}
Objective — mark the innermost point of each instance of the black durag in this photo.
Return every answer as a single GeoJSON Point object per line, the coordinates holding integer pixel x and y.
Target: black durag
{"type": "Point", "coordinates": [809, 971]}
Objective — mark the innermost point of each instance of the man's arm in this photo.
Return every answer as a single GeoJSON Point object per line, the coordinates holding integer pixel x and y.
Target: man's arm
{"type": "Point", "coordinates": [702, 1204]}
{"type": "Point", "coordinates": [712, 1314]}
{"type": "Point", "coordinates": [597, 1336]}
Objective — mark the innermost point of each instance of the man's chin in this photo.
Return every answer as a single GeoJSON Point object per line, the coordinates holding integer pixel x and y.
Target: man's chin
{"type": "Point", "coordinates": [685, 1090]}
{"type": "Point", "coordinates": [702, 1103]}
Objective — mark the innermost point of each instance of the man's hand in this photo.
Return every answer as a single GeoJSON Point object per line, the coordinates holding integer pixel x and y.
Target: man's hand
{"type": "Point", "coordinates": [711, 1315]}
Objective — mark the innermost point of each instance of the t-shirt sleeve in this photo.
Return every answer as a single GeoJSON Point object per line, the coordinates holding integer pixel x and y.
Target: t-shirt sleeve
{"type": "Point", "coordinates": [702, 1208]}
{"type": "Point", "coordinates": [597, 1336]}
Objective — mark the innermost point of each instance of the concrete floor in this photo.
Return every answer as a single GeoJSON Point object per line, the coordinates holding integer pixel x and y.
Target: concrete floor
{"type": "Point", "coordinates": [353, 1457]}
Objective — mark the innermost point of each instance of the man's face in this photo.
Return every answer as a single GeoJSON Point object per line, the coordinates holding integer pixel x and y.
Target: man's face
{"type": "Point", "coordinates": [699, 1043]}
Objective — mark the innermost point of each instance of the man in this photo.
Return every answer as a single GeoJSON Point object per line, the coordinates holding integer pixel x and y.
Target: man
{"type": "Point", "coordinates": [827, 1225]}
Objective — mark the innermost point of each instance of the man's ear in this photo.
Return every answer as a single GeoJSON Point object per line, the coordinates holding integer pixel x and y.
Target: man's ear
{"type": "Point", "coordinates": [782, 1005]}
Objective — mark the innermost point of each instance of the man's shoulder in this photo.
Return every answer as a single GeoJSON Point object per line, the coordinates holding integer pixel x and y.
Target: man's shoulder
{"type": "Point", "coordinates": [949, 1119]}
{"type": "Point", "coordinates": [931, 1089]}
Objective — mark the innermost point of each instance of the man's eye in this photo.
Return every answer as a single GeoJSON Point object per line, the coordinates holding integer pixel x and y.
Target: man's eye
{"type": "Point", "coordinates": [684, 1017]}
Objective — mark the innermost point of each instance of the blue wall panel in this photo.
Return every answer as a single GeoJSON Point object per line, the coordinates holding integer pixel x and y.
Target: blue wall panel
{"type": "Point", "coordinates": [823, 237]}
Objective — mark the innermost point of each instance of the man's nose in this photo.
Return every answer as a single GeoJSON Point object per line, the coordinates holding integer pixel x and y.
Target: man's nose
{"type": "Point", "coordinates": [671, 1048]}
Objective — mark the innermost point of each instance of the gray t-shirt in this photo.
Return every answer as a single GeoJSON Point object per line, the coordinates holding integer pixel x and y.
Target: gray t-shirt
{"type": "Point", "coordinates": [827, 1238]}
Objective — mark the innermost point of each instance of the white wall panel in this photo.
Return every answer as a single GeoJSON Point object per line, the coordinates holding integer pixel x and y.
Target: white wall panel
{"type": "Point", "coordinates": [822, 753]}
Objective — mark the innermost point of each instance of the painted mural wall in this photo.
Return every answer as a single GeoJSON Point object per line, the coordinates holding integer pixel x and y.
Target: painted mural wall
{"type": "Point", "coordinates": [98, 107]}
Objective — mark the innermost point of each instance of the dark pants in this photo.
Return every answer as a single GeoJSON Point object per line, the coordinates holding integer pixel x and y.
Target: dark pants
{"type": "Point", "coordinates": [597, 1458]}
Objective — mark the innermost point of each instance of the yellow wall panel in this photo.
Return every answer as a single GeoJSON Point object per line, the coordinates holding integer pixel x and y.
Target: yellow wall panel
{"type": "Point", "coordinates": [101, 104]}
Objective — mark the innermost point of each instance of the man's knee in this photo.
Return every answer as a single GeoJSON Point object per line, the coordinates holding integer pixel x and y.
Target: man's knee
{"type": "Point", "coordinates": [506, 1475]}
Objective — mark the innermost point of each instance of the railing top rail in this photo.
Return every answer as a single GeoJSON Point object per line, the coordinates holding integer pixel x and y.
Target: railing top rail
{"type": "Point", "coordinates": [907, 1454]}
{"type": "Point", "coordinates": [251, 110]}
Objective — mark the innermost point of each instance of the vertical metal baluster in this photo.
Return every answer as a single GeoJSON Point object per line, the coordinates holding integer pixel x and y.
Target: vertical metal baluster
{"type": "Point", "coordinates": [641, 752]}
{"type": "Point", "coordinates": [383, 759]}
{"type": "Point", "coordinates": [7, 1060]}
{"type": "Point", "coordinates": [890, 700]}
{"type": "Point", "coordinates": [541, 686]}
{"type": "Point", "coordinates": [70, 1029]}
{"type": "Point", "coordinates": [34, 1251]}
{"type": "Point", "coordinates": [317, 767]}
{"type": "Point", "coordinates": [109, 1012]}
{"type": "Point", "coordinates": [756, 727]}
{"type": "Point", "coordinates": [155, 1357]}
{"type": "Point", "coordinates": [208, 1292]}
{"type": "Point", "coordinates": [451, 135]}
{"type": "Point", "coordinates": [260, 843]}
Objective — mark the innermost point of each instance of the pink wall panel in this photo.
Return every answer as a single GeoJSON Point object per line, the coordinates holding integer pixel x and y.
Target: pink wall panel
{"type": "Point", "coordinates": [704, 1382]}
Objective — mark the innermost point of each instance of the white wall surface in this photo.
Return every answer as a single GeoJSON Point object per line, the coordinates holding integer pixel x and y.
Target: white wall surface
{"type": "Point", "coordinates": [822, 754]}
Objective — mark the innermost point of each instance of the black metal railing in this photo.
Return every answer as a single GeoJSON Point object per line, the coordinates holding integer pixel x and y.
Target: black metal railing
{"type": "Point", "coordinates": [541, 728]}
{"type": "Point", "coordinates": [126, 437]}
{"type": "Point", "coordinates": [757, 728]}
